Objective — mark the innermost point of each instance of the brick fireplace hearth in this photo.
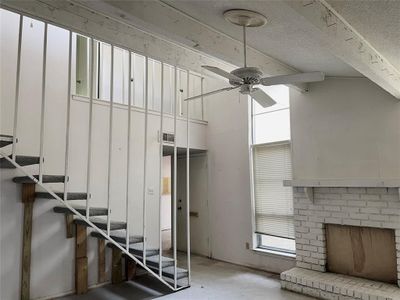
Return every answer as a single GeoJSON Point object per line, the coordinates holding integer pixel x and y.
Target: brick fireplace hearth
{"type": "Point", "coordinates": [363, 207]}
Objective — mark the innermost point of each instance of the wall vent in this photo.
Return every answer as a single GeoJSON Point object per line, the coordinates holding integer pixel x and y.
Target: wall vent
{"type": "Point", "coordinates": [168, 138]}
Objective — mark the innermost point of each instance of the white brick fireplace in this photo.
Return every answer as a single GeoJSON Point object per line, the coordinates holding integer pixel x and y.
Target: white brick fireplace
{"type": "Point", "coordinates": [316, 207]}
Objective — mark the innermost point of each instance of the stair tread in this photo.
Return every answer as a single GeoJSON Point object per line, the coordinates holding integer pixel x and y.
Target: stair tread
{"type": "Point", "coordinates": [169, 272]}
{"type": "Point", "coordinates": [154, 261]}
{"type": "Point", "coordinates": [102, 223]}
{"type": "Point", "coordinates": [93, 211]}
{"type": "Point", "coordinates": [70, 195]}
{"type": "Point", "coordinates": [120, 237]}
{"type": "Point", "coordinates": [45, 179]}
{"type": "Point", "coordinates": [22, 160]}
{"type": "Point", "coordinates": [5, 140]}
{"type": "Point", "coordinates": [137, 249]}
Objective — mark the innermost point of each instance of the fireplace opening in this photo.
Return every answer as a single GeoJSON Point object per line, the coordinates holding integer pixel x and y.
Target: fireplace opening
{"type": "Point", "coordinates": [364, 252]}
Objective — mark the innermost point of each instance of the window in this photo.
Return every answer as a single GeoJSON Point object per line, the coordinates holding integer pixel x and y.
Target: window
{"type": "Point", "coordinates": [188, 84]}
{"type": "Point", "coordinates": [271, 158]}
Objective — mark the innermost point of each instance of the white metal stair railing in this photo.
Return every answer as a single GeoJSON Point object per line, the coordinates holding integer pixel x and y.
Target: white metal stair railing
{"type": "Point", "coordinates": [86, 217]}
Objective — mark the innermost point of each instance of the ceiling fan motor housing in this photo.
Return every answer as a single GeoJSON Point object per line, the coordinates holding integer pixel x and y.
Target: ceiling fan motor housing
{"type": "Point", "coordinates": [250, 75]}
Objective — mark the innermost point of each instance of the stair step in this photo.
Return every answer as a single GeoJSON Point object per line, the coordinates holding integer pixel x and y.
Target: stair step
{"type": "Point", "coordinates": [120, 237]}
{"type": "Point", "coordinates": [169, 272]}
{"type": "Point", "coordinates": [93, 211]}
{"type": "Point", "coordinates": [136, 249]}
{"type": "Point", "coordinates": [5, 140]}
{"type": "Point", "coordinates": [102, 223]}
{"type": "Point", "coordinates": [153, 261]}
{"type": "Point", "coordinates": [22, 160]}
{"type": "Point", "coordinates": [45, 179]}
{"type": "Point", "coordinates": [70, 196]}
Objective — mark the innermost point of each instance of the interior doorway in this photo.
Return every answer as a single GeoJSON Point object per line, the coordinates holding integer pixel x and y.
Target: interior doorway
{"type": "Point", "coordinates": [199, 222]}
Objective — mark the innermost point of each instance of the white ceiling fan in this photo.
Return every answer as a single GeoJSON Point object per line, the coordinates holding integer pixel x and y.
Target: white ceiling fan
{"type": "Point", "coordinates": [247, 78]}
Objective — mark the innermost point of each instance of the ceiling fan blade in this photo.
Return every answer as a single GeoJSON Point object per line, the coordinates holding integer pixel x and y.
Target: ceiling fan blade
{"type": "Point", "coordinates": [212, 93]}
{"type": "Point", "coordinates": [262, 98]}
{"type": "Point", "coordinates": [223, 73]}
{"type": "Point", "coordinates": [295, 78]}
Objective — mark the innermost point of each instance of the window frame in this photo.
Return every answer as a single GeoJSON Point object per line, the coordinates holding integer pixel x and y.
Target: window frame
{"type": "Point", "coordinates": [257, 237]}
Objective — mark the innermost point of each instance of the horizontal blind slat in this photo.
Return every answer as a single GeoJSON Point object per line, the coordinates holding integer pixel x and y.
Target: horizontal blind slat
{"type": "Point", "coordinates": [273, 201]}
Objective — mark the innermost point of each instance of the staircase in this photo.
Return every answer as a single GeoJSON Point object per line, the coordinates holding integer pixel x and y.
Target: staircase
{"type": "Point", "coordinates": [98, 220]}
{"type": "Point", "coordinates": [131, 246]}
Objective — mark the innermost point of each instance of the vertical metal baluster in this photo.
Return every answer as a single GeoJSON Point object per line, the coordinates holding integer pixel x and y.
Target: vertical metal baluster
{"type": "Point", "coordinates": [128, 161]}
{"type": "Point", "coordinates": [161, 168]}
{"type": "Point", "coordinates": [146, 107]}
{"type": "Point", "coordinates": [67, 128]}
{"type": "Point", "coordinates": [89, 160]}
{"type": "Point", "coordinates": [202, 98]}
{"type": "Point", "coordinates": [110, 136]}
{"type": "Point", "coordinates": [17, 79]}
{"type": "Point", "coordinates": [187, 182]}
{"type": "Point", "coordinates": [174, 179]}
{"type": "Point", "coordinates": [43, 108]}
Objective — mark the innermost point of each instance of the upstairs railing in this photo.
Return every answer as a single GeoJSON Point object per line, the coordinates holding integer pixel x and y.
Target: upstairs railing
{"type": "Point", "coordinates": [129, 139]}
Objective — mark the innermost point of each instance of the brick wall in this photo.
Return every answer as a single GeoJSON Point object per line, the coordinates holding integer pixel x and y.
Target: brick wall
{"type": "Point", "coordinates": [369, 207]}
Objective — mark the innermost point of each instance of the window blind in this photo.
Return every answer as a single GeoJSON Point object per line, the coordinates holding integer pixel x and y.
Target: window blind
{"type": "Point", "coordinates": [273, 201]}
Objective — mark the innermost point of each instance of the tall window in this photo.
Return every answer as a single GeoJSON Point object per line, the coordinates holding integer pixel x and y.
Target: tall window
{"type": "Point", "coordinates": [273, 203]}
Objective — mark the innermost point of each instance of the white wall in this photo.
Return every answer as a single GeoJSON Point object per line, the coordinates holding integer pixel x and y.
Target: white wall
{"type": "Point", "coordinates": [345, 129]}
{"type": "Point", "coordinates": [52, 254]}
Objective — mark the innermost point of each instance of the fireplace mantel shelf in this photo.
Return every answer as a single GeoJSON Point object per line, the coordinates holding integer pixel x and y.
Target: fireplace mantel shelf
{"type": "Point", "coordinates": [310, 184]}
{"type": "Point", "coordinates": [360, 183]}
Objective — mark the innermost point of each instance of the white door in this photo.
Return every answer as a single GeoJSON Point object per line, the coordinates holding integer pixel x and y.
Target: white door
{"type": "Point", "coordinates": [198, 205]}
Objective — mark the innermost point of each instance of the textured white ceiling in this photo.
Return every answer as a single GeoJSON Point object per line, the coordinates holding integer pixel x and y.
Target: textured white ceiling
{"type": "Point", "coordinates": [377, 21]}
{"type": "Point", "coordinates": [287, 36]}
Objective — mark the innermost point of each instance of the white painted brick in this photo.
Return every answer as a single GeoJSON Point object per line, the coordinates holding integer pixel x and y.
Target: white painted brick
{"type": "Point", "coordinates": [370, 210]}
{"type": "Point", "coordinates": [377, 204]}
{"type": "Point", "coordinates": [390, 225]}
{"type": "Point", "coordinates": [317, 243]}
{"type": "Point", "coordinates": [351, 222]}
{"type": "Point", "coordinates": [359, 216]}
{"type": "Point", "coordinates": [369, 197]}
{"type": "Point", "coordinates": [303, 253]}
{"type": "Point", "coordinates": [318, 255]}
{"type": "Point", "coordinates": [331, 208]}
{"type": "Point", "coordinates": [310, 248]}
{"type": "Point", "coordinates": [311, 260]}
{"type": "Point", "coordinates": [378, 217]}
{"type": "Point", "coordinates": [377, 191]}
{"type": "Point", "coordinates": [356, 190]}
{"type": "Point", "coordinates": [389, 211]}
{"type": "Point", "coordinates": [371, 224]}
{"type": "Point", "coordinates": [357, 203]}
{"type": "Point", "coordinates": [350, 196]}
{"type": "Point", "coordinates": [303, 265]}
{"type": "Point", "coordinates": [333, 220]}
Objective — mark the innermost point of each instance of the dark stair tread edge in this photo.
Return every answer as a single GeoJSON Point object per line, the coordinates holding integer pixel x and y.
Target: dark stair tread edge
{"type": "Point", "coordinates": [120, 237]}
{"type": "Point", "coordinates": [5, 143]}
{"type": "Point", "coordinates": [5, 136]}
{"type": "Point", "coordinates": [102, 223]}
{"type": "Point", "coordinates": [22, 160]}
{"type": "Point", "coordinates": [137, 251]}
{"type": "Point", "coordinates": [93, 211]}
{"type": "Point", "coordinates": [45, 179]}
{"type": "Point", "coordinates": [70, 195]}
